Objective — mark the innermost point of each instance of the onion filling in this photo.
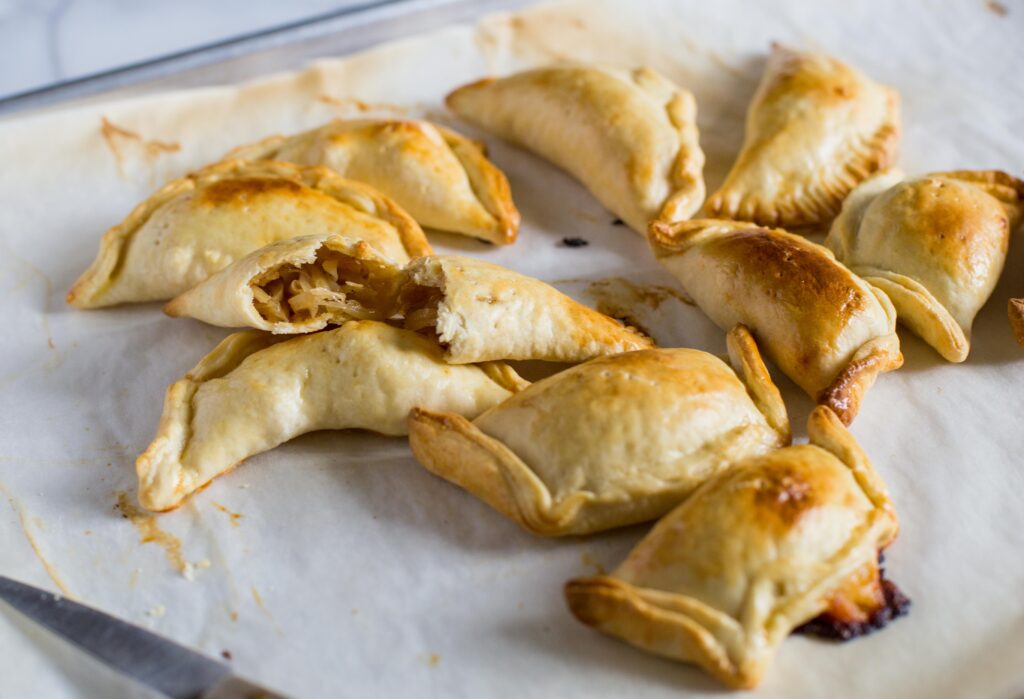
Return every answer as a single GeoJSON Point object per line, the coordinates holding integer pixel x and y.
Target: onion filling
{"type": "Point", "coordinates": [420, 304]}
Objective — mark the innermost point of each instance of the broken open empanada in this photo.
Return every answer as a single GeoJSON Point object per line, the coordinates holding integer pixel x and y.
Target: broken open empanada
{"type": "Point", "coordinates": [199, 224]}
{"type": "Point", "coordinates": [629, 136]}
{"type": "Point", "coordinates": [255, 391]}
{"type": "Point", "coordinates": [611, 442]}
{"type": "Point", "coordinates": [935, 245]}
{"type": "Point", "coordinates": [296, 286]}
{"type": "Point", "coordinates": [823, 326]}
{"type": "Point", "coordinates": [443, 179]}
{"type": "Point", "coordinates": [758, 550]}
{"type": "Point", "coordinates": [815, 129]}
{"type": "Point", "coordinates": [480, 312]}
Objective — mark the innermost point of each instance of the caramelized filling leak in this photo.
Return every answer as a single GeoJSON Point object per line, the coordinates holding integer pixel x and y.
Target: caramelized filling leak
{"type": "Point", "coordinates": [334, 287]}
{"type": "Point", "coordinates": [420, 304]}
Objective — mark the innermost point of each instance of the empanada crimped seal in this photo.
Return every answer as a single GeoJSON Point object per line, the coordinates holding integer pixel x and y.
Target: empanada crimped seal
{"type": "Point", "coordinates": [629, 136]}
{"type": "Point", "coordinates": [199, 224]}
{"type": "Point", "coordinates": [823, 326]}
{"type": "Point", "coordinates": [761, 548]}
{"type": "Point", "coordinates": [443, 179]}
{"type": "Point", "coordinates": [608, 443]}
{"type": "Point", "coordinates": [255, 391]}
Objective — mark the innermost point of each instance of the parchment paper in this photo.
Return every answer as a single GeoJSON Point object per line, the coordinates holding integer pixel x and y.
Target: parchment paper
{"type": "Point", "coordinates": [348, 570]}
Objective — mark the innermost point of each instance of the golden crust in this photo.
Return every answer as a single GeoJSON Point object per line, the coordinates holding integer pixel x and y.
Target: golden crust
{"type": "Point", "coordinates": [1015, 309]}
{"type": "Point", "coordinates": [815, 129]}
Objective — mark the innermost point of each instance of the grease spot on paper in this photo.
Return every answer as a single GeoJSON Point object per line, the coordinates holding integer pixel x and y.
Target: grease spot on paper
{"type": "Point", "coordinates": [26, 529]}
{"type": "Point", "coordinates": [121, 141]}
{"type": "Point", "coordinates": [232, 516]}
{"type": "Point", "coordinates": [151, 533]}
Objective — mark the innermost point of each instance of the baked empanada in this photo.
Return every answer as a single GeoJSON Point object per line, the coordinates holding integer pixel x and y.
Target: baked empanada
{"type": "Point", "coordinates": [255, 391]}
{"type": "Point", "coordinates": [629, 136]}
{"type": "Point", "coordinates": [480, 312]}
{"type": "Point", "coordinates": [823, 327]}
{"type": "Point", "coordinates": [815, 128]}
{"type": "Point", "coordinates": [935, 245]}
{"type": "Point", "coordinates": [1015, 309]}
{"type": "Point", "coordinates": [758, 550]}
{"type": "Point", "coordinates": [296, 286]}
{"type": "Point", "coordinates": [199, 224]}
{"type": "Point", "coordinates": [443, 179]}
{"type": "Point", "coordinates": [612, 442]}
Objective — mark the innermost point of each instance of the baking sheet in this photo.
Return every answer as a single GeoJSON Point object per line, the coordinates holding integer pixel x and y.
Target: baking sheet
{"type": "Point", "coordinates": [334, 565]}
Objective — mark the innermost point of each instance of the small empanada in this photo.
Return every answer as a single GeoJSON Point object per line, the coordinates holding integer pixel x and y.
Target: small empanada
{"type": "Point", "coordinates": [296, 286]}
{"type": "Point", "coordinates": [480, 312]}
{"type": "Point", "coordinates": [935, 245]}
{"type": "Point", "coordinates": [612, 442]}
{"type": "Point", "coordinates": [629, 136]}
{"type": "Point", "coordinates": [199, 224]}
{"type": "Point", "coordinates": [443, 179]}
{"type": "Point", "coordinates": [255, 391]}
{"type": "Point", "coordinates": [760, 549]}
{"type": "Point", "coordinates": [815, 128]}
{"type": "Point", "coordinates": [823, 326]}
{"type": "Point", "coordinates": [1015, 309]}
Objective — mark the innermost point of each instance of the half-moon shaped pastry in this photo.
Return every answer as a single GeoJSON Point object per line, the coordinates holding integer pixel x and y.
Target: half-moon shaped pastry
{"type": "Point", "coordinates": [815, 129]}
{"type": "Point", "coordinates": [443, 179]}
{"type": "Point", "coordinates": [935, 245]}
{"type": "Point", "coordinates": [481, 312]}
{"type": "Point", "coordinates": [629, 136]}
{"type": "Point", "coordinates": [296, 286]}
{"type": "Point", "coordinates": [612, 442]}
{"type": "Point", "coordinates": [255, 391]}
{"type": "Point", "coordinates": [197, 225]}
{"type": "Point", "coordinates": [758, 550]}
{"type": "Point", "coordinates": [823, 327]}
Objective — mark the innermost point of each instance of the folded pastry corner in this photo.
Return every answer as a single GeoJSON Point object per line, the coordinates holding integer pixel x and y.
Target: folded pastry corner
{"type": "Point", "coordinates": [443, 179]}
{"type": "Point", "coordinates": [480, 312]}
{"type": "Point", "coordinates": [824, 327]}
{"type": "Point", "coordinates": [1015, 309]}
{"type": "Point", "coordinates": [197, 225]}
{"type": "Point", "coordinates": [816, 128]}
{"type": "Point", "coordinates": [630, 136]}
{"type": "Point", "coordinates": [296, 286]}
{"type": "Point", "coordinates": [761, 549]}
{"type": "Point", "coordinates": [615, 441]}
{"type": "Point", "coordinates": [255, 391]}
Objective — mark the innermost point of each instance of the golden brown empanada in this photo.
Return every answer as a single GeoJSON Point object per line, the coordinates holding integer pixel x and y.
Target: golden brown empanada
{"type": "Point", "coordinates": [1015, 310]}
{"type": "Point", "coordinates": [480, 312]}
{"type": "Point", "coordinates": [629, 136]}
{"type": "Point", "coordinates": [758, 550]}
{"type": "Point", "coordinates": [443, 179]}
{"type": "Point", "coordinates": [199, 224]}
{"type": "Point", "coordinates": [615, 441]}
{"type": "Point", "coordinates": [935, 245]}
{"type": "Point", "coordinates": [823, 326]}
{"type": "Point", "coordinates": [815, 129]}
{"type": "Point", "coordinates": [296, 286]}
{"type": "Point", "coordinates": [255, 391]}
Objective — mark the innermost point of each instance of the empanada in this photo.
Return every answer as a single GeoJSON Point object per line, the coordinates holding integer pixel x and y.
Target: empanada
{"type": "Point", "coordinates": [935, 245]}
{"type": "Point", "coordinates": [823, 327]}
{"type": "Point", "coordinates": [255, 391]}
{"type": "Point", "coordinates": [758, 550]}
{"type": "Point", "coordinates": [612, 442]}
{"type": "Point", "coordinates": [815, 129]}
{"type": "Point", "coordinates": [629, 136]}
{"type": "Point", "coordinates": [199, 224]}
{"type": "Point", "coordinates": [1015, 309]}
{"type": "Point", "coordinates": [443, 179]}
{"type": "Point", "coordinates": [296, 286]}
{"type": "Point", "coordinates": [479, 312]}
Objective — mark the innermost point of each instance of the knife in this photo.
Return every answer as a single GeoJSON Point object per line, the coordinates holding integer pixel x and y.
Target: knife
{"type": "Point", "coordinates": [161, 664]}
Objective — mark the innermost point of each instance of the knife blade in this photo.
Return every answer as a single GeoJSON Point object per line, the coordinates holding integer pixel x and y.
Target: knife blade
{"type": "Point", "coordinates": [157, 662]}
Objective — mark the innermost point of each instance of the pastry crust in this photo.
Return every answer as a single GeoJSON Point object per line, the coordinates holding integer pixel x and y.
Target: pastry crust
{"type": "Point", "coordinates": [935, 245]}
{"type": "Point", "coordinates": [481, 312]}
{"type": "Point", "coordinates": [296, 286]}
{"type": "Point", "coordinates": [255, 391]}
{"type": "Point", "coordinates": [443, 179]}
{"type": "Point", "coordinates": [815, 129]}
{"type": "Point", "coordinates": [611, 442]}
{"type": "Point", "coordinates": [197, 225]}
{"type": "Point", "coordinates": [823, 327]}
{"type": "Point", "coordinates": [758, 550]}
{"type": "Point", "coordinates": [629, 136]}
{"type": "Point", "coordinates": [1015, 309]}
